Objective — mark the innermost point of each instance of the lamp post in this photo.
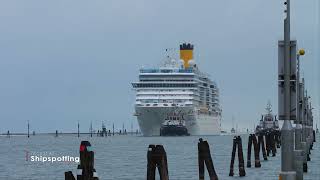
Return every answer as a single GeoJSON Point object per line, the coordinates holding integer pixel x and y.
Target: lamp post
{"type": "Point", "coordinates": [287, 69]}
{"type": "Point", "coordinates": [299, 150]}
{"type": "Point", "coordinates": [298, 129]}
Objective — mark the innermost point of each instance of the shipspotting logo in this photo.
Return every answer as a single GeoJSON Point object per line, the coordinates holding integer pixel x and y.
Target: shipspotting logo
{"type": "Point", "coordinates": [50, 157]}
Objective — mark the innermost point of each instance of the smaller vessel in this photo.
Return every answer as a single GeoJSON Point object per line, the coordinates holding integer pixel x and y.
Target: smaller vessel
{"type": "Point", "coordinates": [223, 132]}
{"type": "Point", "coordinates": [174, 125]}
{"type": "Point", "coordinates": [103, 132]}
{"type": "Point", "coordinates": [268, 122]}
{"type": "Point", "coordinates": [233, 130]}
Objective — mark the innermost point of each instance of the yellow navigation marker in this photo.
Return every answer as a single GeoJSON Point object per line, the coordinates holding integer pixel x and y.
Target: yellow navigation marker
{"type": "Point", "coordinates": [301, 52]}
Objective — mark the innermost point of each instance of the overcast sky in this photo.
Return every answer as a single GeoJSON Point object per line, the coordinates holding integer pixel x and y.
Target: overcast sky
{"type": "Point", "coordinates": [67, 61]}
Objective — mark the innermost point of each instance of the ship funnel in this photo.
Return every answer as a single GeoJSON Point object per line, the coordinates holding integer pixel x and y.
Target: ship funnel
{"type": "Point", "coordinates": [186, 53]}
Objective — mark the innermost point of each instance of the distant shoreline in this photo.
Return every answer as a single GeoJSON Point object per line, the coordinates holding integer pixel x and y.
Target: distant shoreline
{"type": "Point", "coordinates": [60, 133]}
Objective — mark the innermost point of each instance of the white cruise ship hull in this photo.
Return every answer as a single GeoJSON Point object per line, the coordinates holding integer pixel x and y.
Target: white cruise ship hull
{"type": "Point", "coordinates": [150, 120]}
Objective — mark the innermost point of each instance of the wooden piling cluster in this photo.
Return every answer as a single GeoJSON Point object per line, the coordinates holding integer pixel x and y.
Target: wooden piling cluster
{"type": "Point", "coordinates": [237, 144]}
{"type": "Point", "coordinates": [313, 140]}
{"type": "Point", "coordinates": [204, 158]}
{"type": "Point", "coordinates": [308, 153]}
{"type": "Point", "coordinates": [268, 142]}
{"type": "Point", "coordinates": [262, 146]}
{"type": "Point", "coordinates": [253, 142]}
{"type": "Point", "coordinates": [271, 138]}
{"type": "Point", "coordinates": [86, 169]}
{"type": "Point", "coordinates": [157, 157]}
{"type": "Point", "coordinates": [308, 146]}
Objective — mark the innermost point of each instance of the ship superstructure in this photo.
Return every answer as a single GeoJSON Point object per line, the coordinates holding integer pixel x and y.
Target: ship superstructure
{"type": "Point", "coordinates": [268, 121]}
{"type": "Point", "coordinates": [179, 87]}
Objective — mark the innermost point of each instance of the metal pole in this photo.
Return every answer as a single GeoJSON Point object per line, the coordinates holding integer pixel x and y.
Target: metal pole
{"type": "Point", "coordinates": [298, 128]}
{"type": "Point", "coordinates": [91, 129]}
{"type": "Point", "coordinates": [78, 129]}
{"type": "Point", "coordinates": [28, 129]}
{"type": "Point", "coordinates": [112, 129]}
{"type": "Point", "coordinates": [305, 145]}
{"type": "Point", "coordinates": [287, 135]}
{"type": "Point", "coordinates": [310, 124]}
{"type": "Point", "coordinates": [306, 131]}
{"type": "Point", "coordinates": [299, 150]}
{"type": "Point", "coordinates": [304, 115]}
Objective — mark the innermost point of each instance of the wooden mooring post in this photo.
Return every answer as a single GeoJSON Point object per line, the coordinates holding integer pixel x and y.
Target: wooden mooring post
{"type": "Point", "coordinates": [314, 135]}
{"type": "Point", "coordinates": [157, 157]}
{"type": "Point", "coordinates": [69, 176]}
{"type": "Point", "coordinates": [237, 143]}
{"type": "Point", "coordinates": [261, 145]}
{"type": "Point", "coordinates": [278, 138]}
{"type": "Point", "coordinates": [86, 169]}
{"type": "Point", "coordinates": [270, 143]}
{"type": "Point", "coordinates": [273, 143]}
{"type": "Point", "coordinates": [204, 158]}
{"type": "Point", "coordinates": [253, 141]}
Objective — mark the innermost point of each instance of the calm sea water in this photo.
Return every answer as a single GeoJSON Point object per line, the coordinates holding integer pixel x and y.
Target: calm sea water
{"type": "Point", "coordinates": [124, 157]}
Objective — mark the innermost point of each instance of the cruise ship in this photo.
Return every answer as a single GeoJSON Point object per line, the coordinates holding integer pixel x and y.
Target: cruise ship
{"type": "Point", "coordinates": [177, 88]}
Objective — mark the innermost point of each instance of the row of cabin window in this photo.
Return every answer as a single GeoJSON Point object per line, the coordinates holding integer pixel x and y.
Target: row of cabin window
{"type": "Point", "coordinates": [164, 85]}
